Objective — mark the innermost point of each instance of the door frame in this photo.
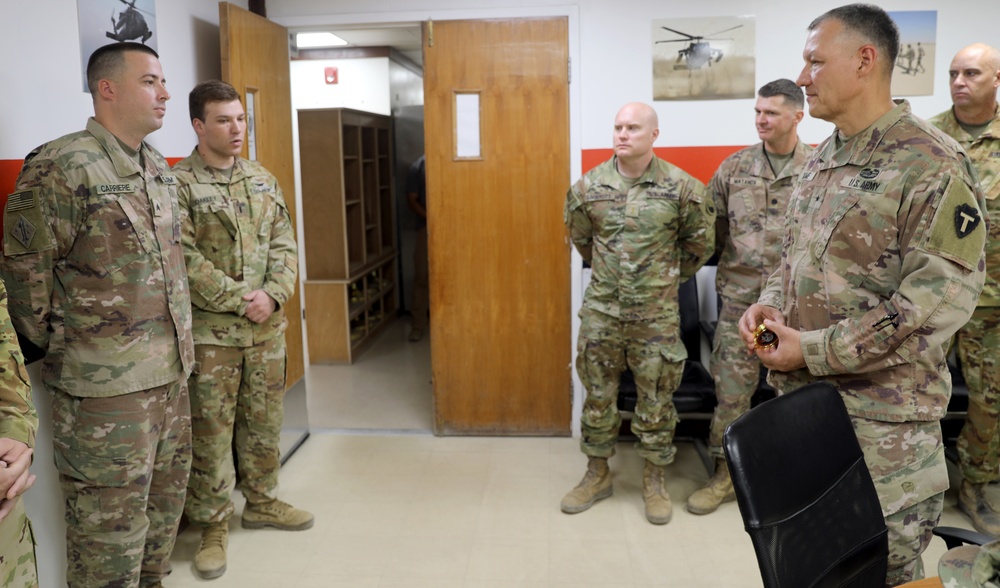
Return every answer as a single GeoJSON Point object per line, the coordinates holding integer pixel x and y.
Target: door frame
{"type": "Point", "coordinates": [572, 14]}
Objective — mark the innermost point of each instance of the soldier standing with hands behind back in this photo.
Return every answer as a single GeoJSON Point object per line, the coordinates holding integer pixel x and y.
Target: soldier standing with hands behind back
{"type": "Point", "coordinates": [876, 320]}
{"type": "Point", "coordinates": [974, 121]}
{"type": "Point", "coordinates": [241, 256]}
{"type": "Point", "coordinates": [751, 190]}
{"type": "Point", "coordinates": [645, 226]}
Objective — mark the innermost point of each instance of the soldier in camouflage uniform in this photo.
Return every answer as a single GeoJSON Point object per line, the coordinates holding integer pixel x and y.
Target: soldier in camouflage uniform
{"type": "Point", "coordinates": [93, 264]}
{"type": "Point", "coordinates": [882, 262]}
{"type": "Point", "coordinates": [18, 422]}
{"type": "Point", "coordinates": [974, 122]}
{"type": "Point", "coordinates": [241, 257]}
{"type": "Point", "coordinates": [751, 190]}
{"type": "Point", "coordinates": [645, 226]}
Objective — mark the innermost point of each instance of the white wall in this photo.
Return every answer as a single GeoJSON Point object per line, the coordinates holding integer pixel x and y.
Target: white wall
{"type": "Point", "coordinates": [611, 56]}
{"type": "Point", "coordinates": [40, 94]}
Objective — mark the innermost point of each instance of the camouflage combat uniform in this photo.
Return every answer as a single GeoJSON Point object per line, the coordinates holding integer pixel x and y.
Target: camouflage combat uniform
{"type": "Point", "coordinates": [642, 242]}
{"type": "Point", "coordinates": [18, 421]}
{"type": "Point", "coordinates": [882, 262]}
{"type": "Point", "coordinates": [237, 237]}
{"type": "Point", "coordinates": [94, 267]}
{"type": "Point", "coordinates": [979, 340]}
{"type": "Point", "coordinates": [750, 202]}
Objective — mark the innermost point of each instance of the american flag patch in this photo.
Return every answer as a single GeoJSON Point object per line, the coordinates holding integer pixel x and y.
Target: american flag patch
{"type": "Point", "coordinates": [21, 200]}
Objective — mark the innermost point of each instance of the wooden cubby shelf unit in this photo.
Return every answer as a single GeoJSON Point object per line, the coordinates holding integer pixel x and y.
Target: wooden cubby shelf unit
{"type": "Point", "coordinates": [349, 230]}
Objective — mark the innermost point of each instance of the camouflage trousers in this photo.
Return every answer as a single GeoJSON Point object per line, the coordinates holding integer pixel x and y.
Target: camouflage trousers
{"type": "Point", "coordinates": [235, 392]}
{"type": "Point", "coordinates": [736, 374]}
{"type": "Point", "coordinates": [979, 442]}
{"type": "Point", "coordinates": [123, 466]}
{"type": "Point", "coordinates": [606, 347]}
{"type": "Point", "coordinates": [17, 550]}
{"type": "Point", "coordinates": [907, 464]}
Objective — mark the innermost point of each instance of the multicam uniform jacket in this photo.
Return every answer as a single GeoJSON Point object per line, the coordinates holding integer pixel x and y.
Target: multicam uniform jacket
{"type": "Point", "coordinates": [93, 265]}
{"type": "Point", "coordinates": [882, 262]}
{"type": "Point", "coordinates": [642, 242]}
{"type": "Point", "coordinates": [237, 237]}
{"type": "Point", "coordinates": [984, 151]}
{"type": "Point", "coordinates": [750, 204]}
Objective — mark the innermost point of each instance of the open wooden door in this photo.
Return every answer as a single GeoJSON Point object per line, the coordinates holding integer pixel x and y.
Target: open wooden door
{"type": "Point", "coordinates": [255, 61]}
{"type": "Point", "coordinates": [499, 255]}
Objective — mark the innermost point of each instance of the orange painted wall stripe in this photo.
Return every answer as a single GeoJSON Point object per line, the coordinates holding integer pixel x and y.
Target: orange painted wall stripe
{"type": "Point", "coordinates": [9, 168]}
{"type": "Point", "coordinates": [700, 162]}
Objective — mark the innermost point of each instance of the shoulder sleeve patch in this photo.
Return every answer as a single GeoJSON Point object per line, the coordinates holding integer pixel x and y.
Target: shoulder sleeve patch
{"type": "Point", "coordinates": [25, 228]}
{"type": "Point", "coordinates": [958, 231]}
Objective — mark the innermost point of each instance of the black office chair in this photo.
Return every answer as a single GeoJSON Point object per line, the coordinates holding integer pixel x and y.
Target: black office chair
{"type": "Point", "coordinates": [805, 494]}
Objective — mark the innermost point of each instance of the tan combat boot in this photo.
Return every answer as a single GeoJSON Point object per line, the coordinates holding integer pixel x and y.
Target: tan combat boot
{"type": "Point", "coordinates": [972, 501]}
{"type": "Point", "coordinates": [277, 515]}
{"type": "Point", "coordinates": [718, 490]}
{"type": "Point", "coordinates": [596, 485]}
{"type": "Point", "coordinates": [210, 561]}
{"type": "Point", "coordinates": [654, 492]}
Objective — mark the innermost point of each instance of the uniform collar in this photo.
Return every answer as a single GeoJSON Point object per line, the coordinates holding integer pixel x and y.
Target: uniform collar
{"type": "Point", "coordinates": [951, 127]}
{"type": "Point", "coordinates": [799, 156]}
{"type": "Point", "coordinates": [206, 174]}
{"type": "Point", "coordinates": [858, 150]}
{"type": "Point", "coordinates": [124, 164]}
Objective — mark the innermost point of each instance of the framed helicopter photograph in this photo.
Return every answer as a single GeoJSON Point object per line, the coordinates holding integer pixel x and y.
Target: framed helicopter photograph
{"type": "Point", "coordinates": [114, 21]}
{"type": "Point", "coordinates": [704, 58]}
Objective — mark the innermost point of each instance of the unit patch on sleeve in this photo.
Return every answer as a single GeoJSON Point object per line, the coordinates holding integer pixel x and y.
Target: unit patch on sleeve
{"type": "Point", "coordinates": [966, 220]}
{"type": "Point", "coordinates": [25, 228]}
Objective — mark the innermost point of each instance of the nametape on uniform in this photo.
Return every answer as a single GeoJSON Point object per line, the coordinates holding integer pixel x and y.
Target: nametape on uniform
{"type": "Point", "coordinates": [966, 220]}
{"type": "Point", "coordinates": [21, 200]}
{"type": "Point", "coordinates": [204, 200]}
{"type": "Point", "coordinates": [860, 183]}
{"type": "Point", "coordinates": [750, 182]}
{"type": "Point", "coordinates": [995, 154]}
{"type": "Point", "coordinates": [114, 188]}
{"type": "Point", "coordinates": [596, 196]}
{"type": "Point", "coordinates": [169, 180]}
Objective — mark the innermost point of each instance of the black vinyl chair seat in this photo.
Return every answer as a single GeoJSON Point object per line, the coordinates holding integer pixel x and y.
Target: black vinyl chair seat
{"type": "Point", "coordinates": [805, 494]}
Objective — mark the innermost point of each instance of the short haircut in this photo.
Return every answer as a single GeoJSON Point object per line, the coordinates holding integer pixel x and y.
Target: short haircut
{"type": "Point", "coordinates": [107, 62]}
{"type": "Point", "coordinates": [787, 88]}
{"type": "Point", "coordinates": [210, 91]}
{"type": "Point", "coordinates": [872, 24]}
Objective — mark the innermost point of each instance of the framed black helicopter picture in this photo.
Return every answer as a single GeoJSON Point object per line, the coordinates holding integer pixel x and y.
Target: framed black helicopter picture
{"type": "Point", "coordinates": [704, 58]}
{"type": "Point", "coordinates": [114, 21]}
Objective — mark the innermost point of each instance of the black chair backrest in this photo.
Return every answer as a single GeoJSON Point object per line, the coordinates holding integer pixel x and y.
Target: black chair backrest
{"type": "Point", "coordinates": [805, 494]}
{"type": "Point", "coordinates": [690, 311]}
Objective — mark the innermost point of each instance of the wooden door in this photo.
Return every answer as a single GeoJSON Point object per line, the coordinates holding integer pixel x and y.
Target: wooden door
{"type": "Point", "coordinates": [255, 61]}
{"type": "Point", "coordinates": [499, 255]}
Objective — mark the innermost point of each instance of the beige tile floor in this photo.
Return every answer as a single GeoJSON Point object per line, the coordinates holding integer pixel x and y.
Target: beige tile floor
{"type": "Point", "coordinates": [397, 507]}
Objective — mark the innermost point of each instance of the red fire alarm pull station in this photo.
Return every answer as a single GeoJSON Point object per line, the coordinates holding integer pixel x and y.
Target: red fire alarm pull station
{"type": "Point", "coordinates": [331, 75]}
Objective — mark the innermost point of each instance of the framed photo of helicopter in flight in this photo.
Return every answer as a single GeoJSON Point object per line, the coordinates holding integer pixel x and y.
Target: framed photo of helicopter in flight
{"type": "Point", "coordinates": [114, 21]}
{"type": "Point", "coordinates": [704, 58]}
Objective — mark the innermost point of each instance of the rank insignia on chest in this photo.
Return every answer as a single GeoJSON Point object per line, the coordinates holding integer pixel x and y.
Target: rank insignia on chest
{"type": "Point", "coordinates": [966, 220]}
{"type": "Point", "coordinates": [808, 176]}
{"type": "Point", "coordinates": [995, 154]}
{"type": "Point", "coordinates": [632, 209]}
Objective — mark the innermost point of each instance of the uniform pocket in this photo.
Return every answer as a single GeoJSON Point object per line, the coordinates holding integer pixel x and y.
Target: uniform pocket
{"type": "Point", "coordinates": [117, 234]}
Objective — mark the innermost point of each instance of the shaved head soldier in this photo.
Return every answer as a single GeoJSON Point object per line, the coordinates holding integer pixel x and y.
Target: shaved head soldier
{"type": "Point", "coordinates": [974, 121]}
{"type": "Point", "coordinates": [645, 226]}
{"type": "Point", "coordinates": [876, 320]}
